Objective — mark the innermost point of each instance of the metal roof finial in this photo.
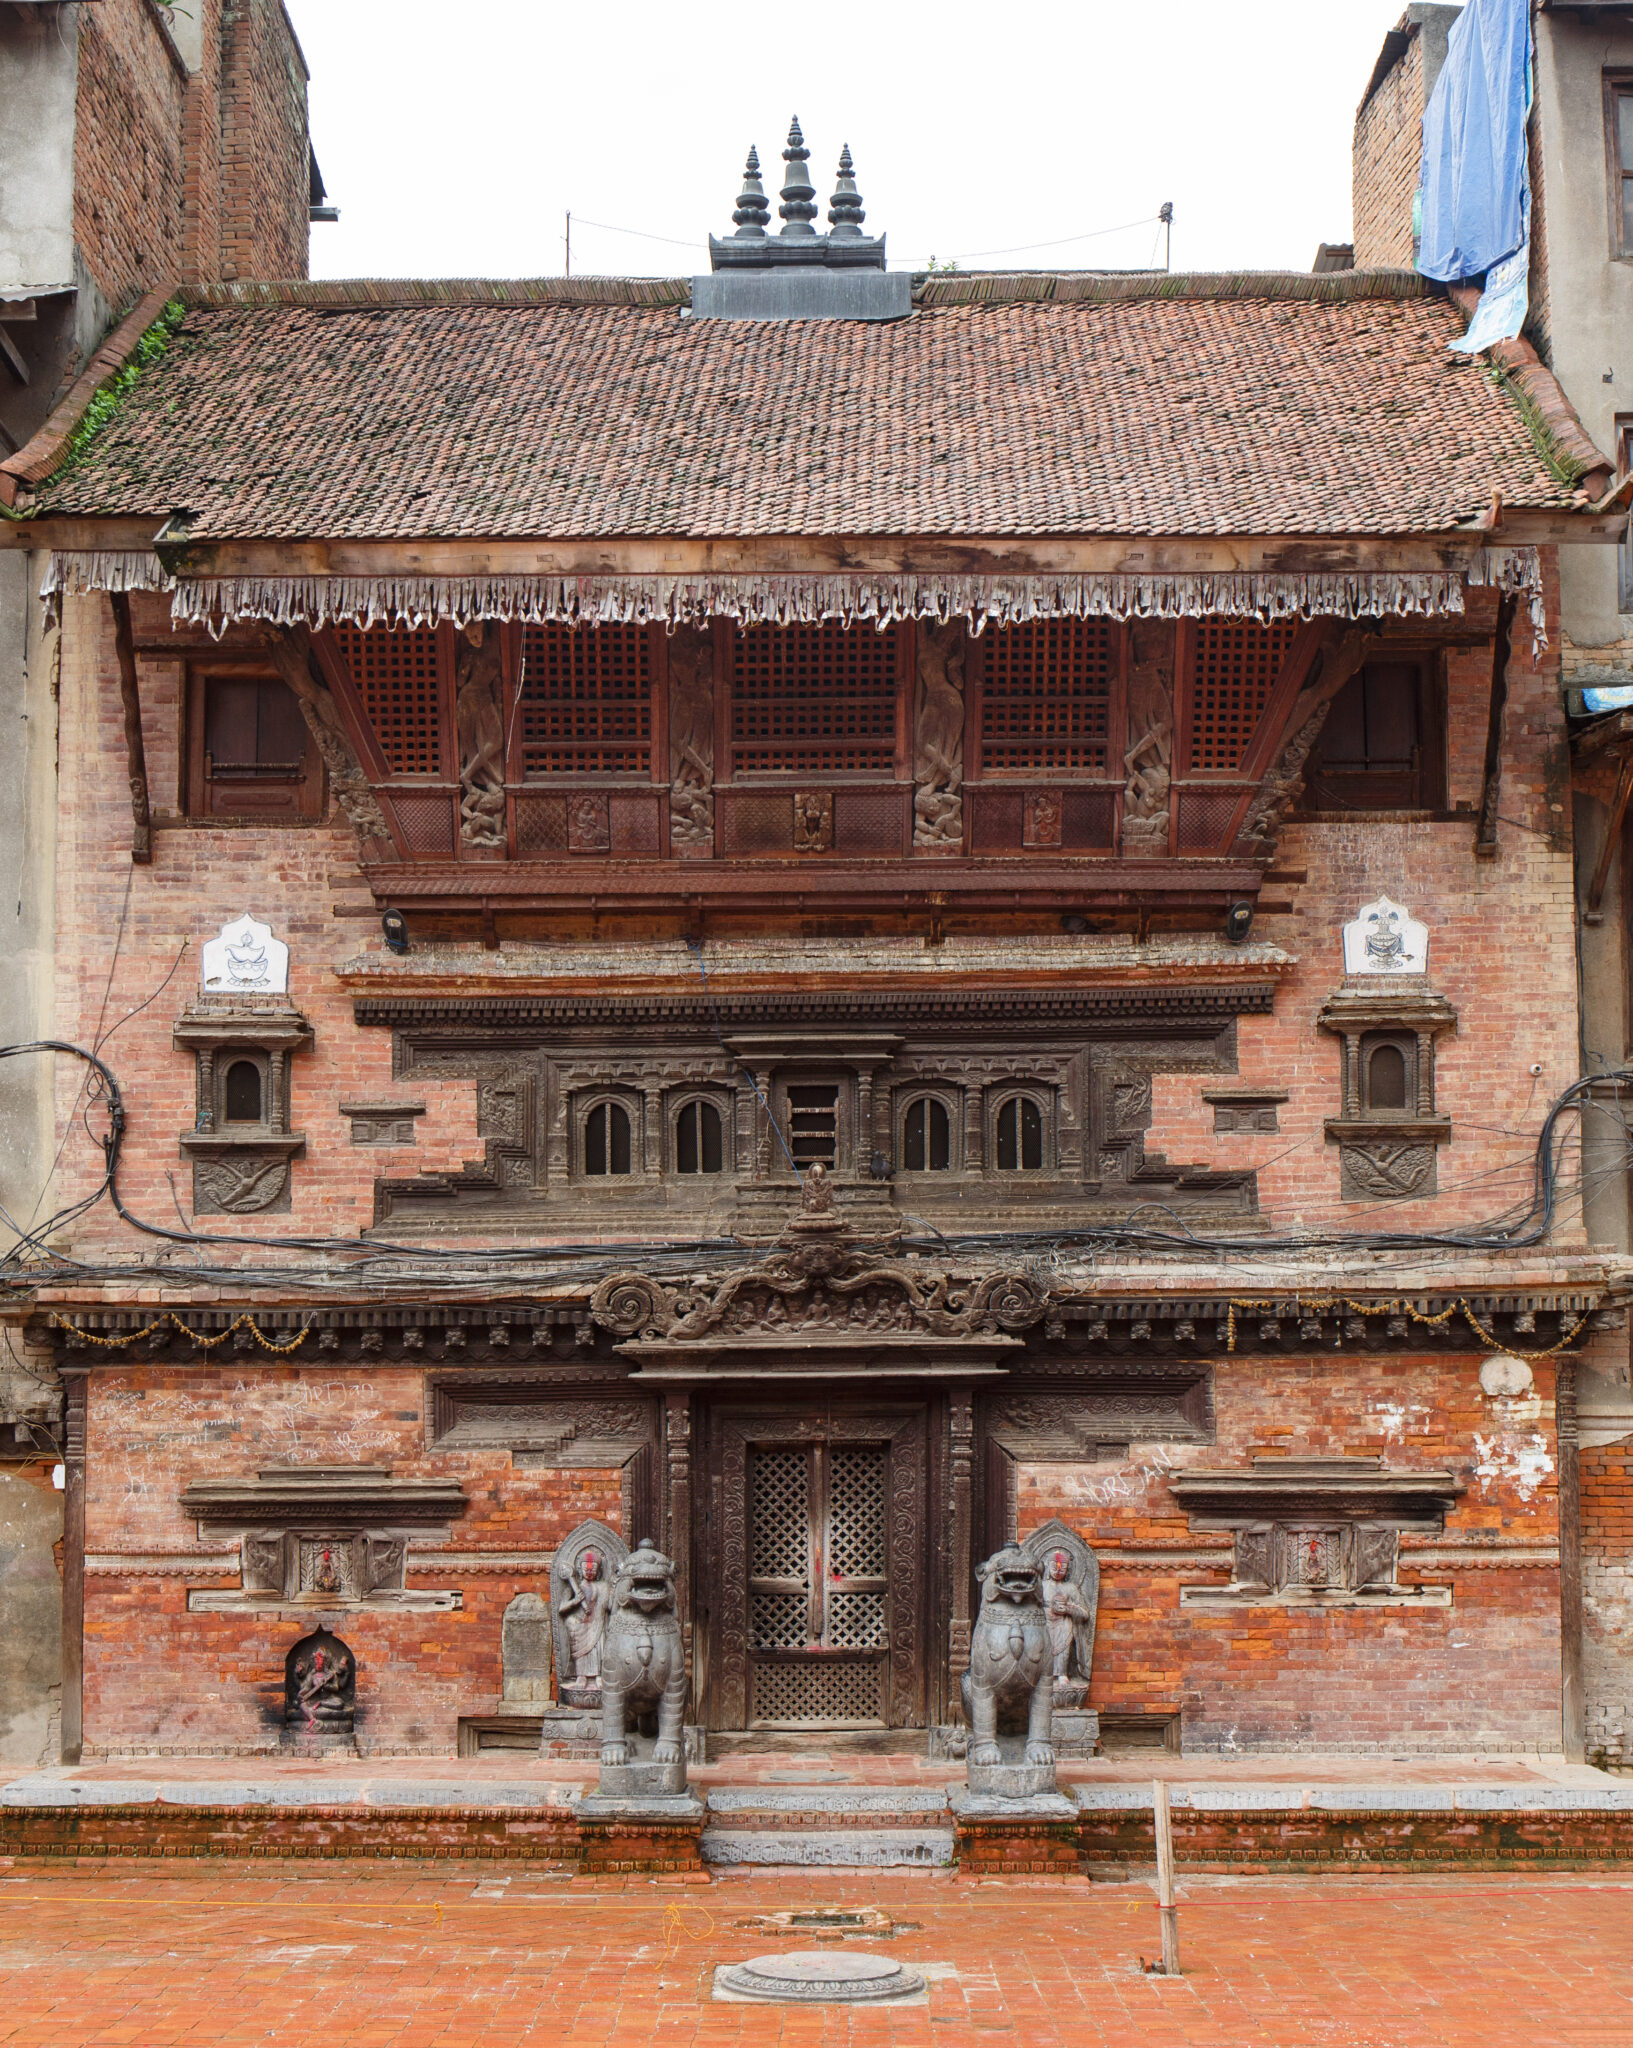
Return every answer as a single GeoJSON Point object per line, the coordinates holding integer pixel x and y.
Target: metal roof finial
{"type": "Point", "coordinates": [798, 208]}
{"type": "Point", "coordinates": [752, 210]}
{"type": "Point", "coordinates": [845, 214]}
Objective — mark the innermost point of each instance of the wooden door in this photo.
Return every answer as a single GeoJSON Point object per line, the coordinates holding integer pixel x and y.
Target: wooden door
{"type": "Point", "coordinates": [816, 1587]}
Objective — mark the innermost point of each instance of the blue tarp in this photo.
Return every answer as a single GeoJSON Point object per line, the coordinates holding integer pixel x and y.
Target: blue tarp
{"type": "Point", "coordinates": [1474, 187]}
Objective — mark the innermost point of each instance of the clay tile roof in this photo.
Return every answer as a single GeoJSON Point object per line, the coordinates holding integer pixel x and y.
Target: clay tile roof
{"type": "Point", "coordinates": [492, 411]}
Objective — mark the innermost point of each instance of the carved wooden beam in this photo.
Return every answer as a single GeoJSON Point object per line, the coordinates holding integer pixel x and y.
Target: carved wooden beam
{"type": "Point", "coordinates": [1485, 832]}
{"type": "Point", "coordinates": [141, 844]}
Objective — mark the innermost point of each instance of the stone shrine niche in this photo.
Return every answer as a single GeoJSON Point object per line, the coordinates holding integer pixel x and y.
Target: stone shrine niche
{"type": "Point", "coordinates": [1070, 1582]}
{"type": "Point", "coordinates": [581, 1577]}
{"type": "Point", "coordinates": [320, 1688]}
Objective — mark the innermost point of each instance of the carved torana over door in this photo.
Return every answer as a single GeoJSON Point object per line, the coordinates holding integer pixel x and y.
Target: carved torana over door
{"type": "Point", "coordinates": [821, 1572]}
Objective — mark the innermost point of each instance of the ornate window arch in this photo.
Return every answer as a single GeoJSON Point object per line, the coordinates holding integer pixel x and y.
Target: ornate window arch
{"type": "Point", "coordinates": [928, 1130]}
{"type": "Point", "coordinates": [1021, 1129]}
{"type": "Point", "coordinates": [608, 1136]}
{"type": "Point", "coordinates": [700, 1135]}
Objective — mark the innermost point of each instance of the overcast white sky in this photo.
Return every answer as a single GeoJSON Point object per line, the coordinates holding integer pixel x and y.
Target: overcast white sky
{"type": "Point", "coordinates": [454, 138]}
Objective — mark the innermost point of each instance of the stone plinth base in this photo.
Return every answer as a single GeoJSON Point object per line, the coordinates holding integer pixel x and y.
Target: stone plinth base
{"type": "Point", "coordinates": [1011, 1780]}
{"type": "Point", "coordinates": [573, 1735]}
{"type": "Point", "coordinates": [643, 1779]}
{"type": "Point", "coordinates": [645, 1837]}
{"type": "Point", "coordinates": [1033, 1837]}
{"type": "Point", "coordinates": [1075, 1732]}
{"type": "Point", "coordinates": [319, 1742]}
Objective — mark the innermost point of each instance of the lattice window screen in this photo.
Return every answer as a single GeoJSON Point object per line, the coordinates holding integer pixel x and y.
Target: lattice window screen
{"type": "Point", "coordinates": [856, 1512]}
{"type": "Point", "coordinates": [1046, 697]}
{"type": "Point", "coordinates": [586, 704]}
{"type": "Point", "coordinates": [779, 1517]}
{"type": "Point", "coordinates": [394, 670]}
{"type": "Point", "coordinates": [814, 700]}
{"type": "Point", "coordinates": [1235, 669]}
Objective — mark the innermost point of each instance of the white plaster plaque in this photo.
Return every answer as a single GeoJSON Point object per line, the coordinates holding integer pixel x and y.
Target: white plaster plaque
{"type": "Point", "coordinates": [1505, 1379]}
{"type": "Point", "coordinates": [1385, 939]}
{"type": "Point", "coordinates": [246, 960]}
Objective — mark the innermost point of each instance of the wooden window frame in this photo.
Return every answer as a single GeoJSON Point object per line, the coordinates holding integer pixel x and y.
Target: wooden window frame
{"type": "Point", "coordinates": [656, 773]}
{"type": "Point", "coordinates": [1431, 773]}
{"type": "Point", "coordinates": [1624, 547]}
{"type": "Point", "coordinates": [196, 787]}
{"type": "Point", "coordinates": [975, 697]}
{"type": "Point", "coordinates": [900, 768]}
{"type": "Point", "coordinates": [584, 1107]}
{"type": "Point", "coordinates": [951, 1102]}
{"type": "Point", "coordinates": [1406, 1044]}
{"type": "Point", "coordinates": [721, 1105]}
{"type": "Point", "coordinates": [1044, 1098]}
{"type": "Point", "coordinates": [1617, 86]}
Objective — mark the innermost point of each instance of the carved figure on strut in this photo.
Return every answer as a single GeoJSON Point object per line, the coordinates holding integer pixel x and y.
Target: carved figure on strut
{"type": "Point", "coordinates": [1066, 1609]}
{"type": "Point", "coordinates": [1011, 1660]}
{"type": "Point", "coordinates": [584, 1609]}
{"type": "Point", "coordinates": [479, 714]}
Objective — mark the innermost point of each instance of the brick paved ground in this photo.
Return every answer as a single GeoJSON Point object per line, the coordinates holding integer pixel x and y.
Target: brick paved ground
{"type": "Point", "coordinates": [381, 1960]}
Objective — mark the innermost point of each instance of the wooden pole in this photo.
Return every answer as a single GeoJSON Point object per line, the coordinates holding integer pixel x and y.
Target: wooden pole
{"type": "Point", "coordinates": [1167, 1911]}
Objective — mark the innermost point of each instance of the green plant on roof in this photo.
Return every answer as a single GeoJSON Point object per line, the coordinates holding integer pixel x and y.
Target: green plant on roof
{"type": "Point", "coordinates": [111, 394]}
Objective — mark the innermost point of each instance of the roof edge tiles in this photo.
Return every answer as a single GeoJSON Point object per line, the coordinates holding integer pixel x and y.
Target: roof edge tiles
{"type": "Point", "coordinates": [966, 288]}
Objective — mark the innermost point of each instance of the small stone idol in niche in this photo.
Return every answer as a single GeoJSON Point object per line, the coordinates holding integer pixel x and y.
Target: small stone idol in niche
{"type": "Point", "coordinates": [320, 1685]}
{"type": "Point", "coordinates": [1067, 1610]}
{"type": "Point", "coordinates": [584, 1609]}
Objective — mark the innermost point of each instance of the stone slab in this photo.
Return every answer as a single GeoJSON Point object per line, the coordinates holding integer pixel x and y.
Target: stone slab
{"type": "Point", "coordinates": [873, 1848]}
{"type": "Point", "coordinates": [973, 1807]}
{"type": "Point", "coordinates": [859, 1799]}
{"type": "Point", "coordinates": [608, 1811]}
{"type": "Point", "coordinates": [642, 1780]}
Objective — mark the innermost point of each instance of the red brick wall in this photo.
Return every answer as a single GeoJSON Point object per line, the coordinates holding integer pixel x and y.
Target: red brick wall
{"type": "Point", "coordinates": [1481, 1674]}
{"type": "Point", "coordinates": [179, 178]}
{"type": "Point", "coordinates": [1607, 1600]}
{"type": "Point", "coordinates": [128, 169]}
{"type": "Point", "coordinates": [158, 1677]}
{"type": "Point", "coordinates": [265, 171]}
{"type": "Point", "coordinates": [1387, 150]}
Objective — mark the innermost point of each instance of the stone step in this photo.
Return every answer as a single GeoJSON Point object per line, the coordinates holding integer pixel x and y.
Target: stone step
{"type": "Point", "coordinates": [866, 1846]}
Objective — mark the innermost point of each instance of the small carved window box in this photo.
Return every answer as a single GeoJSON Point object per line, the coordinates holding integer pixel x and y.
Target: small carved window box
{"type": "Point", "coordinates": [1387, 1131]}
{"type": "Point", "coordinates": [1245, 1110]}
{"type": "Point", "coordinates": [382, 1123]}
{"type": "Point", "coordinates": [241, 1142]}
{"type": "Point", "coordinates": [1316, 1532]}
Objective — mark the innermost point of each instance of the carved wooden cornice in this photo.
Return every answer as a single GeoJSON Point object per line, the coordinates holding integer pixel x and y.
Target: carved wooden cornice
{"type": "Point", "coordinates": [1325, 1489]}
{"type": "Point", "coordinates": [516, 1019]}
{"type": "Point", "coordinates": [334, 1496]}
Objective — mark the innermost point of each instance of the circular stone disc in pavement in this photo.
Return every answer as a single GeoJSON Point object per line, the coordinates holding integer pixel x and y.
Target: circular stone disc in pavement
{"type": "Point", "coordinates": [821, 1976]}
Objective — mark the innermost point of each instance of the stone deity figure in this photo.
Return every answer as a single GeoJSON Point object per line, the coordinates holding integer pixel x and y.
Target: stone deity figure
{"type": "Point", "coordinates": [584, 1610]}
{"type": "Point", "coordinates": [1066, 1608]}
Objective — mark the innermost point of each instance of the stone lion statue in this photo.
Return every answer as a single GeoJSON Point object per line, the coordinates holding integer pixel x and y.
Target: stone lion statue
{"type": "Point", "coordinates": [1011, 1659]}
{"type": "Point", "coordinates": [643, 1663]}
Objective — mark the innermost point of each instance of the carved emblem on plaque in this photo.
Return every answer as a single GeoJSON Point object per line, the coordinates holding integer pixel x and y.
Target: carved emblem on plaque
{"type": "Point", "coordinates": [813, 821]}
{"type": "Point", "coordinates": [245, 959]}
{"type": "Point", "coordinates": [1384, 938]}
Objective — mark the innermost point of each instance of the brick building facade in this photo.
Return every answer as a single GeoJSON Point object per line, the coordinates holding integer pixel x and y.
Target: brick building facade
{"type": "Point", "coordinates": [820, 1028]}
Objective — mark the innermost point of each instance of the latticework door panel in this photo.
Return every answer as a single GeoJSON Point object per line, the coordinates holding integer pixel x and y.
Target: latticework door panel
{"type": "Point", "coordinates": [818, 1588]}
{"type": "Point", "coordinates": [1046, 698]}
{"type": "Point", "coordinates": [586, 701]}
{"type": "Point", "coordinates": [395, 672]}
{"type": "Point", "coordinates": [814, 701]}
{"type": "Point", "coordinates": [1233, 671]}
